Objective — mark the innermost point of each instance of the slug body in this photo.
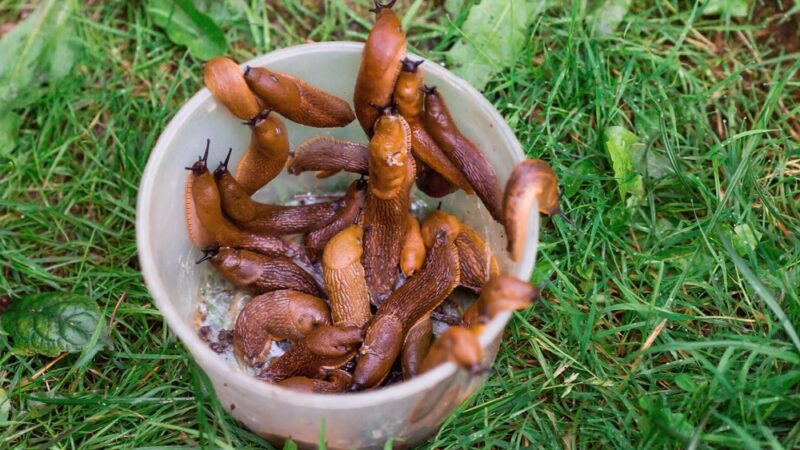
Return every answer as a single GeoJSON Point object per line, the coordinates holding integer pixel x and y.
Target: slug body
{"type": "Point", "coordinates": [380, 66]}
{"type": "Point", "coordinates": [298, 100]}
{"type": "Point", "coordinates": [501, 293]}
{"type": "Point", "coordinates": [457, 345]}
{"type": "Point", "coordinates": [406, 306]}
{"type": "Point", "coordinates": [431, 182]}
{"type": "Point", "coordinates": [324, 153]}
{"type": "Point", "coordinates": [344, 277]}
{"type": "Point", "coordinates": [283, 314]}
{"type": "Point", "coordinates": [532, 179]}
{"type": "Point", "coordinates": [258, 273]}
{"type": "Point", "coordinates": [463, 153]}
{"type": "Point", "coordinates": [326, 348]}
{"type": "Point", "coordinates": [415, 346]}
{"type": "Point", "coordinates": [208, 227]}
{"type": "Point", "coordinates": [270, 219]}
{"type": "Point", "coordinates": [410, 99]}
{"type": "Point", "coordinates": [334, 381]}
{"type": "Point", "coordinates": [314, 242]}
{"type": "Point", "coordinates": [224, 79]}
{"type": "Point", "coordinates": [412, 255]}
{"type": "Point", "coordinates": [267, 154]}
{"type": "Point", "coordinates": [391, 174]}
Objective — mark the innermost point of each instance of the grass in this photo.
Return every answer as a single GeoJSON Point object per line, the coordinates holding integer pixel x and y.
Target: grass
{"type": "Point", "coordinates": [653, 332]}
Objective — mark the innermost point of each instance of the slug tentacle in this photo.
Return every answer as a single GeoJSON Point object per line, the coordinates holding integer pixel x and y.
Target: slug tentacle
{"type": "Point", "coordinates": [328, 154]}
{"type": "Point", "coordinates": [258, 273]}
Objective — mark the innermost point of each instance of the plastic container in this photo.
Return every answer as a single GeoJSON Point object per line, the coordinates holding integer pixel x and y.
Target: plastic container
{"type": "Point", "coordinates": [410, 411]}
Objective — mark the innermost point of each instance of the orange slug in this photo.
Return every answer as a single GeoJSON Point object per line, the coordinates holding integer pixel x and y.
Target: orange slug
{"type": "Point", "coordinates": [409, 98]}
{"type": "Point", "coordinates": [224, 79]}
{"type": "Point", "coordinates": [333, 381]}
{"type": "Point", "coordinates": [463, 153]}
{"type": "Point", "coordinates": [457, 345]}
{"type": "Point", "coordinates": [270, 219]}
{"type": "Point", "coordinates": [407, 305]}
{"type": "Point", "coordinates": [267, 154]}
{"type": "Point", "coordinates": [208, 227]}
{"type": "Point", "coordinates": [344, 277]}
{"type": "Point", "coordinates": [324, 153]}
{"type": "Point", "coordinates": [500, 293]}
{"type": "Point", "coordinates": [283, 314]}
{"type": "Point", "coordinates": [415, 346]}
{"type": "Point", "coordinates": [258, 273]}
{"type": "Point", "coordinates": [298, 100]}
{"type": "Point", "coordinates": [531, 179]}
{"type": "Point", "coordinates": [391, 174]}
{"type": "Point", "coordinates": [314, 242]}
{"type": "Point", "coordinates": [326, 348]}
{"type": "Point", "coordinates": [380, 65]}
{"type": "Point", "coordinates": [412, 255]}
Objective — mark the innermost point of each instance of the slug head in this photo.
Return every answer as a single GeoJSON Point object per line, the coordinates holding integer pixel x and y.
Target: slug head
{"type": "Point", "coordinates": [274, 88]}
{"type": "Point", "coordinates": [334, 340]}
{"type": "Point", "coordinates": [388, 157]}
{"type": "Point", "coordinates": [409, 65]}
{"type": "Point", "coordinates": [238, 266]}
{"type": "Point", "coordinates": [201, 165]}
{"type": "Point", "coordinates": [435, 107]}
{"type": "Point", "coordinates": [308, 313]}
{"type": "Point", "coordinates": [463, 347]}
{"type": "Point", "coordinates": [222, 168]}
{"type": "Point", "coordinates": [379, 7]}
{"type": "Point", "coordinates": [407, 94]}
{"type": "Point", "coordinates": [344, 248]}
{"type": "Point", "coordinates": [506, 293]}
{"type": "Point", "coordinates": [437, 222]}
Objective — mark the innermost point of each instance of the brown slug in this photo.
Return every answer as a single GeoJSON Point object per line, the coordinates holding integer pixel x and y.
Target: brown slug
{"type": "Point", "coordinates": [283, 314]}
{"type": "Point", "coordinates": [344, 277]}
{"type": "Point", "coordinates": [462, 152]}
{"type": "Point", "coordinates": [500, 293]}
{"type": "Point", "coordinates": [380, 65]}
{"type": "Point", "coordinates": [314, 242]}
{"type": "Point", "coordinates": [412, 301]}
{"type": "Point", "coordinates": [224, 79]}
{"type": "Point", "coordinates": [412, 254]}
{"type": "Point", "coordinates": [298, 100]}
{"type": "Point", "coordinates": [324, 153]}
{"type": "Point", "coordinates": [270, 219]}
{"type": "Point", "coordinates": [258, 273]}
{"type": "Point", "coordinates": [335, 380]}
{"type": "Point", "coordinates": [415, 346]}
{"type": "Point", "coordinates": [457, 345]}
{"type": "Point", "coordinates": [267, 153]}
{"type": "Point", "coordinates": [531, 179]}
{"type": "Point", "coordinates": [327, 347]}
{"type": "Point", "coordinates": [391, 174]}
{"type": "Point", "coordinates": [432, 182]}
{"type": "Point", "coordinates": [409, 98]}
{"type": "Point", "coordinates": [208, 227]}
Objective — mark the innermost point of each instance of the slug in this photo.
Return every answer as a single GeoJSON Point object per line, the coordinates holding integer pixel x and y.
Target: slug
{"type": "Point", "coordinates": [412, 301]}
{"type": "Point", "coordinates": [477, 262]}
{"type": "Point", "coordinates": [415, 346]}
{"type": "Point", "coordinates": [267, 154]}
{"type": "Point", "coordinates": [409, 98]}
{"type": "Point", "coordinates": [283, 314]}
{"type": "Point", "coordinates": [298, 100]}
{"type": "Point", "coordinates": [380, 65]}
{"type": "Point", "coordinates": [208, 227]}
{"type": "Point", "coordinates": [501, 293]}
{"type": "Point", "coordinates": [324, 153]}
{"type": "Point", "coordinates": [463, 153]}
{"type": "Point", "coordinates": [326, 348]}
{"type": "Point", "coordinates": [258, 273]}
{"type": "Point", "coordinates": [457, 345]}
{"type": "Point", "coordinates": [432, 182]}
{"type": "Point", "coordinates": [333, 381]}
{"type": "Point", "coordinates": [344, 277]}
{"type": "Point", "coordinates": [391, 174]}
{"type": "Point", "coordinates": [531, 179]}
{"type": "Point", "coordinates": [270, 219]}
{"type": "Point", "coordinates": [314, 242]}
{"type": "Point", "coordinates": [412, 255]}
{"type": "Point", "coordinates": [224, 79]}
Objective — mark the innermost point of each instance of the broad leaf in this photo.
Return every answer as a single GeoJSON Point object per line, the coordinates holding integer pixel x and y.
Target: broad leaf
{"type": "Point", "coordinates": [745, 239]}
{"type": "Point", "coordinates": [52, 323]}
{"type": "Point", "coordinates": [494, 34]}
{"type": "Point", "coordinates": [605, 19]}
{"type": "Point", "coordinates": [732, 8]}
{"type": "Point", "coordinates": [186, 25]}
{"type": "Point", "coordinates": [619, 144]}
{"type": "Point", "coordinates": [5, 406]}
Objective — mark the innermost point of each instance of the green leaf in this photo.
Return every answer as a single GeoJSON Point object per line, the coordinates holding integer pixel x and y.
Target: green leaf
{"type": "Point", "coordinates": [495, 33]}
{"type": "Point", "coordinates": [605, 19]}
{"type": "Point", "coordinates": [5, 406]}
{"type": "Point", "coordinates": [40, 49]}
{"type": "Point", "coordinates": [732, 8]}
{"type": "Point", "coordinates": [685, 382]}
{"type": "Point", "coordinates": [619, 145]}
{"type": "Point", "coordinates": [186, 25]}
{"type": "Point", "coordinates": [52, 323]}
{"type": "Point", "coordinates": [453, 6]}
{"type": "Point", "coordinates": [289, 445]}
{"type": "Point", "coordinates": [745, 238]}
